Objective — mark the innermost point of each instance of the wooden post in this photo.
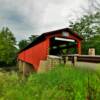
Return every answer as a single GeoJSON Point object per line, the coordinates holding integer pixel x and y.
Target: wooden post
{"type": "Point", "coordinates": [66, 59]}
{"type": "Point", "coordinates": [74, 60]}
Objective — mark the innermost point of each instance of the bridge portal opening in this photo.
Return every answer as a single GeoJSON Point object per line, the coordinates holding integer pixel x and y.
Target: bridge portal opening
{"type": "Point", "coordinates": [62, 46]}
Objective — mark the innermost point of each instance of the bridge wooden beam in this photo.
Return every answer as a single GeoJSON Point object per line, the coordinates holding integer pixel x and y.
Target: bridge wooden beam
{"type": "Point", "coordinates": [79, 48]}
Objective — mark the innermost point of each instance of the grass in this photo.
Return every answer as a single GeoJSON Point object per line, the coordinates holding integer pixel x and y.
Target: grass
{"type": "Point", "coordinates": [62, 83]}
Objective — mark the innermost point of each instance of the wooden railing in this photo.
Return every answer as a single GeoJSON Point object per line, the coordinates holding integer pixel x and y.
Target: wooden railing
{"type": "Point", "coordinates": [85, 58]}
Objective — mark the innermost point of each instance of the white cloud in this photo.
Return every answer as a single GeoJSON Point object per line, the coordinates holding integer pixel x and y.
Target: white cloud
{"type": "Point", "coordinates": [26, 17]}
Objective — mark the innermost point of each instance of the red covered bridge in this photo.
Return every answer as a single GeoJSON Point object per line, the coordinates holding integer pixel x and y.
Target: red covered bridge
{"type": "Point", "coordinates": [49, 43]}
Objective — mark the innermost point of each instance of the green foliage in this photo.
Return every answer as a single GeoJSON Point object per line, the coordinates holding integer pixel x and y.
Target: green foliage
{"type": "Point", "coordinates": [88, 25]}
{"type": "Point", "coordinates": [31, 38]}
{"type": "Point", "coordinates": [7, 46]}
{"type": "Point", "coordinates": [62, 83]}
{"type": "Point", "coordinates": [22, 44]}
{"type": "Point", "coordinates": [93, 42]}
{"type": "Point", "coordinates": [89, 28]}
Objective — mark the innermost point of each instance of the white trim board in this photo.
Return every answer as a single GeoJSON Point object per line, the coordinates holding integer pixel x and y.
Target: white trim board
{"type": "Point", "coordinates": [63, 39]}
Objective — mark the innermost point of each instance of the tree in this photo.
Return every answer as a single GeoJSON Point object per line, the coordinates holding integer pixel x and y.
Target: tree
{"type": "Point", "coordinates": [91, 7]}
{"type": "Point", "coordinates": [7, 46]}
{"type": "Point", "coordinates": [31, 38]}
{"type": "Point", "coordinates": [94, 5]}
{"type": "Point", "coordinates": [22, 44]}
{"type": "Point", "coordinates": [88, 27]}
{"type": "Point", "coordinates": [94, 42]}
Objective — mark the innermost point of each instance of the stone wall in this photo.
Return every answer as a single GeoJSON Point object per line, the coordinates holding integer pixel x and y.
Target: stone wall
{"type": "Point", "coordinates": [25, 68]}
{"type": "Point", "coordinates": [50, 63]}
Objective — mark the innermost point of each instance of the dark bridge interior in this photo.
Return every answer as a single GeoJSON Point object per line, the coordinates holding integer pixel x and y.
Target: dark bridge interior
{"type": "Point", "coordinates": [61, 47]}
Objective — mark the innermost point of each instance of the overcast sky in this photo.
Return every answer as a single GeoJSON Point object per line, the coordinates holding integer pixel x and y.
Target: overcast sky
{"type": "Point", "coordinates": [26, 17]}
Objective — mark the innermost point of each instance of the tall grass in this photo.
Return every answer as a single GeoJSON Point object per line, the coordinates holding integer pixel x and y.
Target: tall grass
{"type": "Point", "coordinates": [62, 83]}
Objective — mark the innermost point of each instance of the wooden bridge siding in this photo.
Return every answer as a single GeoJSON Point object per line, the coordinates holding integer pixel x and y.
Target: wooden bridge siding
{"type": "Point", "coordinates": [34, 54]}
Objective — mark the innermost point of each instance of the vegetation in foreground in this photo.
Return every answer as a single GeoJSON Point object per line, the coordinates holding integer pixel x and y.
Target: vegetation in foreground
{"type": "Point", "coordinates": [62, 83]}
